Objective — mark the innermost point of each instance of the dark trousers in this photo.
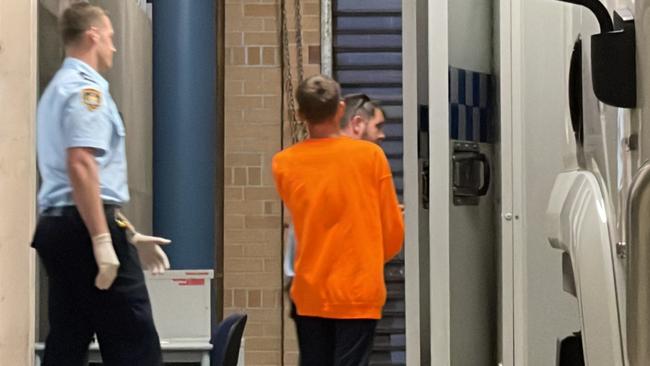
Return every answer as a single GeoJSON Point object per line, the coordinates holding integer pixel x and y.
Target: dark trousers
{"type": "Point", "coordinates": [120, 316]}
{"type": "Point", "coordinates": [334, 342]}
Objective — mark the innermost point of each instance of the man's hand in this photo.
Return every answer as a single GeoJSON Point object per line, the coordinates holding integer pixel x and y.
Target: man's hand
{"type": "Point", "coordinates": [151, 256]}
{"type": "Point", "coordinates": [107, 262]}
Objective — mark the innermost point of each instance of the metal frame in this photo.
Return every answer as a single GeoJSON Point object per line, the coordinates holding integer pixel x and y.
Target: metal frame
{"type": "Point", "coordinates": [217, 285]}
{"type": "Point", "coordinates": [637, 269]}
{"type": "Point", "coordinates": [438, 65]}
{"type": "Point", "coordinates": [512, 258]}
{"type": "Point", "coordinates": [513, 296]}
{"type": "Point", "coordinates": [638, 253]}
{"type": "Point", "coordinates": [507, 276]}
{"type": "Point", "coordinates": [326, 60]}
{"type": "Point", "coordinates": [411, 181]}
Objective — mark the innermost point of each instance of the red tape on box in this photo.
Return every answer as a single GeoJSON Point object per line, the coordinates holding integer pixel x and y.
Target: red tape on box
{"type": "Point", "coordinates": [189, 281]}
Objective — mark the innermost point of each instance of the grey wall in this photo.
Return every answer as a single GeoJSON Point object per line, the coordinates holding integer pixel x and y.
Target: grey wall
{"type": "Point", "coordinates": [131, 87]}
{"type": "Point", "coordinates": [473, 272]}
{"type": "Point", "coordinates": [470, 35]}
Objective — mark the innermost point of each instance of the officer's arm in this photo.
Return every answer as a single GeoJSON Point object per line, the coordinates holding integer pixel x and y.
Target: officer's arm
{"type": "Point", "coordinates": [84, 177]}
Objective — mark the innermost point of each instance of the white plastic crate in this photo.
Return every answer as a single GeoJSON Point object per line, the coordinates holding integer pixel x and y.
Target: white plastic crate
{"type": "Point", "coordinates": [181, 304]}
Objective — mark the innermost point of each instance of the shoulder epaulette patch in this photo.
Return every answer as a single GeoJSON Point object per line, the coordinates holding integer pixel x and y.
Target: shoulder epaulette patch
{"type": "Point", "coordinates": [91, 98]}
{"type": "Point", "coordinates": [86, 76]}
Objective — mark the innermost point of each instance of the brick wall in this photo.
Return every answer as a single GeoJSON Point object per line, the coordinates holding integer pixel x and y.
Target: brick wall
{"type": "Point", "coordinates": [253, 133]}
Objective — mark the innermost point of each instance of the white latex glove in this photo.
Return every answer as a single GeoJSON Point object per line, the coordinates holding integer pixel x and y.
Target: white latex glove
{"type": "Point", "coordinates": [107, 262]}
{"type": "Point", "coordinates": [151, 256]}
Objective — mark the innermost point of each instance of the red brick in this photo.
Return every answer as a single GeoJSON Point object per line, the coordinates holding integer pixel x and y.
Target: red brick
{"type": "Point", "coordinates": [314, 55]}
{"type": "Point", "coordinates": [253, 56]}
{"type": "Point", "coordinates": [254, 298]}
{"type": "Point", "coordinates": [261, 39]}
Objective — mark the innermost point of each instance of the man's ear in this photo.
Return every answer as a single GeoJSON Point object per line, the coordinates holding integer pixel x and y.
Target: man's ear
{"type": "Point", "coordinates": [356, 122]}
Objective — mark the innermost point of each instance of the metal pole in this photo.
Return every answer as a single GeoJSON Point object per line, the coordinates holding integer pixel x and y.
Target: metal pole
{"type": "Point", "coordinates": [184, 162]}
{"type": "Point", "coordinates": [326, 55]}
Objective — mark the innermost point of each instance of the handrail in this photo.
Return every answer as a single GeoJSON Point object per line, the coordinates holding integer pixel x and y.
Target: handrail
{"type": "Point", "coordinates": [599, 10]}
{"type": "Point", "coordinates": [638, 268]}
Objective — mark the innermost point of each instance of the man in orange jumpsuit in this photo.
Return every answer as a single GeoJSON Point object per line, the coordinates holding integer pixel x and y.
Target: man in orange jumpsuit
{"type": "Point", "coordinates": [348, 222]}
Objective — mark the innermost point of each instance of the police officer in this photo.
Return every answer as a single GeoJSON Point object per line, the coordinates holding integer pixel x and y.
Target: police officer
{"type": "Point", "coordinates": [92, 255]}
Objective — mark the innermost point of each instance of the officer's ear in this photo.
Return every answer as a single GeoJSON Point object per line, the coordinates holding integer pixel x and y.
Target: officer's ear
{"type": "Point", "coordinates": [93, 34]}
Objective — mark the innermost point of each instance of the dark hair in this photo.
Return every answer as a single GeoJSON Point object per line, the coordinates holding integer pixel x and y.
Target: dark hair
{"type": "Point", "coordinates": [318, 98]}
{"type": "Point", "coordinates": [77, 19]}
{"type": "Point", "coordinates": [358, 104]}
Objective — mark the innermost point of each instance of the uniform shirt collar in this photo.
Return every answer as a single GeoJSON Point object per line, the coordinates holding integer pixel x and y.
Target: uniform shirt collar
{"type": "Point", "coordinates": [77, 64]}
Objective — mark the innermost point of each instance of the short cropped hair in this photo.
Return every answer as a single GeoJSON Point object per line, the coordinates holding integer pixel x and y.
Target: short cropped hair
{"type": "Point", "coordinates": [318, 98]}
{"type": "Point", "coordinates": [77, 19]}
{"type": "Point", "coordinates": [358, 104]}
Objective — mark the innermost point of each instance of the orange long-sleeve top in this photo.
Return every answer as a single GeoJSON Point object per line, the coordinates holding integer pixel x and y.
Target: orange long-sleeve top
{"type": "Point", "coordinates": [348, 224]}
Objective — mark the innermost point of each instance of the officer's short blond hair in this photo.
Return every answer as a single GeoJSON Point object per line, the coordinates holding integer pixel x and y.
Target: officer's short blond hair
{"type": "Point", "coordinates": [77, 19]}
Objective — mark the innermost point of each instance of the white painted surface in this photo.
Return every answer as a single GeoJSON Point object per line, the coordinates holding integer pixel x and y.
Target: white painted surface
{"type": "Point", "coordinates": [505, 288]}
{"type": "Point", "coordinates": [578, 225]}
{"type": "Point", "coordinates": [539, 66]}
{"type": "Point", "coordinates": [438, 64]}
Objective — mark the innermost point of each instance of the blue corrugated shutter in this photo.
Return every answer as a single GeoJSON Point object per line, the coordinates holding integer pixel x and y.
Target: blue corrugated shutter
{"type": "Point", "coordinates": [368, 59]}
{"type": "Point", "coordinates": [367, 50]}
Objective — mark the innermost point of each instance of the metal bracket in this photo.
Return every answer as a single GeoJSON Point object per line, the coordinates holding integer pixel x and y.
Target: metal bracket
{"type": "Point", "coordinates": [621, 249]}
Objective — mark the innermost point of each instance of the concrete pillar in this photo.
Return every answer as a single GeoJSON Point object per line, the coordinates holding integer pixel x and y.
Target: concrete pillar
{"type": "Point", "coordinates": [18, 88]}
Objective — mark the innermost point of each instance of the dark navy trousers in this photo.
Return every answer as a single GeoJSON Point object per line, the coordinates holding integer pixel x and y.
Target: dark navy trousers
{"type": "Point", "coordinates": [334, 342]}
{"type": "Point", "coordinates": [120, 317]}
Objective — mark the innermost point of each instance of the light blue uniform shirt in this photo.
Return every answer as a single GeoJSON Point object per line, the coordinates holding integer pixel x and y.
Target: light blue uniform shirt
{"type": "Point", "coordinates": [76, 110]}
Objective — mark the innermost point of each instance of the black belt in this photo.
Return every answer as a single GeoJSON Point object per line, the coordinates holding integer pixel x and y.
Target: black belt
{"type": "Point", "coordinates": [71, 211]}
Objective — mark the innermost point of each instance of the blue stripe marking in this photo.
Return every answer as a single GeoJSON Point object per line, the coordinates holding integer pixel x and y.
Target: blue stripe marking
{"type": "Point", "coordinates": [485, 90]}
{"type": "Point", "coordinates": [476, 89]}
{"type": "Point", "coordinates": [453, 85]}
{"type": "Point", "coordinates": [461, 86]}
{"type": "Point", "coordinates": [469, 123]}
{"type": "Point", "coordinates": [484, 125]}
{"type": "Point", "coordinates": [470, 95]}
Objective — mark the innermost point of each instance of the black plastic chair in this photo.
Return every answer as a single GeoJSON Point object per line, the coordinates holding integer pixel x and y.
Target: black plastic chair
{"type": "Point", "coordinates": [226, 340]}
